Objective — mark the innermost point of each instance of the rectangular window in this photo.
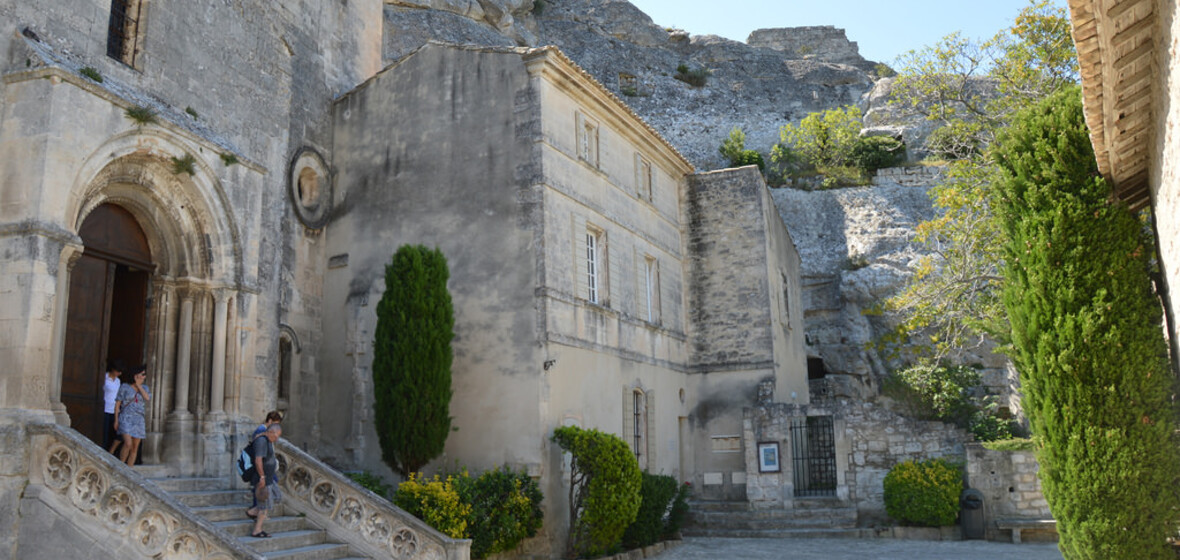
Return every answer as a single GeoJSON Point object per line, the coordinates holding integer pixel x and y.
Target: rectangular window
{"type": "Point", "coordinates": [124, 29]}
{"type": "Point", "coordinates": [651, 288]}
{"type": "Point", "coordinates": [643, 178]}
{"type": "Point", "coordinates": [587, 140]}
{"type": "Point", "coordinates": [593, 262]}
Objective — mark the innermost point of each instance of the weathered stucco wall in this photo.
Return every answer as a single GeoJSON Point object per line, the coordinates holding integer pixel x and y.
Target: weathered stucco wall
{"type": "Point", "coordinates": [1164, 165]}
{"type": "Point", "coordinates": [429, 152]}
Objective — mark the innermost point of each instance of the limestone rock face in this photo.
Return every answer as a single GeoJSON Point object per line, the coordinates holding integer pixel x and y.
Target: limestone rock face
{"type": "Point", "coordinates": [824, 43]}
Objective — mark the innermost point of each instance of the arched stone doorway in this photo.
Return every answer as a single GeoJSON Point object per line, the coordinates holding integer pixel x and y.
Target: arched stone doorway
{"type": "Point", "coordinates": [107, 317]}
{"type": "Point", "coordinates": [169, 246]}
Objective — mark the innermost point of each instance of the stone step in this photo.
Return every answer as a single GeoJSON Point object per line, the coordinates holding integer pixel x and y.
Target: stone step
{"type": "Point", "coordinates": [243, 526]}
{"type": "Point", "coordinates": [325, 551]}
{"type": "Point", "coordinates": [198, 498]}
{"type": "Point", "coordinates": [281, 542]}
{"type": "Point", "coordinates": [190, 484]}
{"type": "Point", "coordinates": [850, 533]}
{"type": "Point", "coordinates": [232, 512]}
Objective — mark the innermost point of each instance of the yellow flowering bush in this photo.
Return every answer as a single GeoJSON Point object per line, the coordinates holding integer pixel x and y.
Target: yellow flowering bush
{"type": "Point", "coordinates": [924, 492]}
{"type": "Point", "coordinates": [436, 502]}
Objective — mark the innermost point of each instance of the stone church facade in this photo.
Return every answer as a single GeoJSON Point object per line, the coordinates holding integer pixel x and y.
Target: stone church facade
{"type": "Point", "coordinates": [214, 189]}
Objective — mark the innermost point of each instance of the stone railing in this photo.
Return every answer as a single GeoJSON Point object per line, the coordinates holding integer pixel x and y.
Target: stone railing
{"type": "Point", "coordinates": [127, 516]}
{"type": "Point", "coordinates": [350, 513]}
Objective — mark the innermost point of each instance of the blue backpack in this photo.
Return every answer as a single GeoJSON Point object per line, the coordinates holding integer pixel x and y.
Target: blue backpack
{"type": "Point", "coordinates": [246, 462]}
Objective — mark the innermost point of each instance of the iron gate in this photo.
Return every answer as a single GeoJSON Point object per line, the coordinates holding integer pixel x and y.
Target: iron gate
{"type": "Point", "coordinates": [813, 456]}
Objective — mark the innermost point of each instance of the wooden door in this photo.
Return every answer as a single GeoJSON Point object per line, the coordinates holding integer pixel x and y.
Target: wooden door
{"type": "Point", "coordinates": [107, 317]}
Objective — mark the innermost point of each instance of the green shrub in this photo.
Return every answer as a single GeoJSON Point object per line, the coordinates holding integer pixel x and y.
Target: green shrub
{"type": "Point", "coordinates": [228, 159]}
{"type": "Point", "coordinates": [505, 510]}
{"type": "Point", "coordinates": [656, 492]}
{"type": "Point", "coordinates": [140, 115]}
{"type": "Point", "coordinates": [986, 424]}
{"type": "Point", "coordinates": [824, 139]}
{"type": "Point", "coordinates": [1087, 339]}
{"type": "Point", "coordinates": [1017, 444]}
{"type": "Point", "coordinates": [91, 72]}
{"type": "Point", "coordinates": [371, 482]}
{"type": "Point", "coordinates": [186, 164]}
{"type": "Point", "coordinates": [604, 490]}
{"type": "Point", "coordinates": [412, 359]}
{"type": "Point", "coordinates": [871, 153]}
{"type": "Point", "coordinates": [678, 513]}
{"type": "Point", "coordinates": [924, 493]}
{"type": "Point", "coordinates": [934, 392]}
{"type": "Point", "coordinates": [734, 149]}
{"type": "Point", "coordinates": [882, 70]}
{"type": "Point", "coordinates": [697, 77]}
{"type": "Point", "coordinates": [436, 502]}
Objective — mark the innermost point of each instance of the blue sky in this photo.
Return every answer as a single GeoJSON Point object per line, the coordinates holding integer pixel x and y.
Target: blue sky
{"type": "Point", "coordinates": [882, 29]}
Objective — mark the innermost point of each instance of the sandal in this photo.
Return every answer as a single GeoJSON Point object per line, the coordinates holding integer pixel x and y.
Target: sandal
{"type": "Point", "coordinates": [261, 535]}
{"type": "Point", "coordinates": [251, 516]}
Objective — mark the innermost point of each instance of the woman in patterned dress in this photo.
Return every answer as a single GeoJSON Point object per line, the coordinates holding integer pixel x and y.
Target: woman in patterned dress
{"type": "Point", "coordinates": [130, 407]}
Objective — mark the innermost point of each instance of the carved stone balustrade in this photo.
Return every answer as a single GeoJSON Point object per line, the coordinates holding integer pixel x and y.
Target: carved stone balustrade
{"type": "Point", "coordinates": [352, 514]}
{"type": "Point", "coordinates": [127, 515]}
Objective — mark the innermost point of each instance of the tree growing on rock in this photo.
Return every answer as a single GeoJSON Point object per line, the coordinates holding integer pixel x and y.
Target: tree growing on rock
{"type": "Point", "coordinates": [412, 359]}
{"type": "Point", "coordinates": [971, 90]}
{"type": "Point", "coordinates": [1087, 339]}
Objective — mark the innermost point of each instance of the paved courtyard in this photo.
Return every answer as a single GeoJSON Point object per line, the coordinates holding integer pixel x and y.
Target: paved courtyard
{"type": "Point", "coordinates": [855, 549]}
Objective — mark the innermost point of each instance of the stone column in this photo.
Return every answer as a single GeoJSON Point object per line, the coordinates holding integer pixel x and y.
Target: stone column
{"type": "Point", "coordinates": [69, 257]}
{"type": "Point", "coordinates": [184, 345]}
{"type": "Point", "coordinates": [180, 439]}
{"type": "Point", "coordinates": [220, 315]}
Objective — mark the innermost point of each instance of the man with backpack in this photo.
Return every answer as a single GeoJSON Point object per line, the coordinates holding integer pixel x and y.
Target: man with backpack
{"type": "Point", "coordinates": [264, 479]}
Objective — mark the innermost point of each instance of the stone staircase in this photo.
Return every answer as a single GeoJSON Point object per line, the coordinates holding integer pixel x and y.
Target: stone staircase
{"type": "Point", "coordinates": [293, 536]}
{"type": "Point", "coordinates": [815, 518]}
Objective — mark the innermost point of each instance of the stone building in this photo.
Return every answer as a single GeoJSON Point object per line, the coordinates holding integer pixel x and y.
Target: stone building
{"type": "Point", "coordinates": [214, 191]}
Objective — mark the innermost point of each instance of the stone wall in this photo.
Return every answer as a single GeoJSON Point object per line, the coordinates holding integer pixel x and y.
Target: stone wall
{"type": "Point", "coordinates": [870, 440]}
{"type": "Point", "coordinates": [1010, 485]}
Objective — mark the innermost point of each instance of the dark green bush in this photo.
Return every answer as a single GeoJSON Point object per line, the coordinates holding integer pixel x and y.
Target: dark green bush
{"type": "Point", "coordinates": [678, 513]}
{"type": "Point", "coordinates": [91, 72]}
{"type": "Point", "coordinates": [412, 359]}
{"type": "Point", "coordinates": [871, 153]}
{"type": "Point", "coordinates": [696, 77]}
{"type": "Point", "coordinates": [924, 493]}
{"type": "Point", "coordinates": [1087, 340]}
{"type": "Point", "coordinates": [604, 490]}
{"type": "Point", "coordinates": [656, 493]}
{"type": "Point", "coordinates": [372, 483]}
{"type": "Point", "coordinates": [505, 510]}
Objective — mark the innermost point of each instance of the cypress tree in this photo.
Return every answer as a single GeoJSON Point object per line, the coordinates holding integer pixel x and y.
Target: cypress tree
{"type": "Point", "coordinates": [1086, 336]}
{"type": "Point", "coordinates": [412, 359]}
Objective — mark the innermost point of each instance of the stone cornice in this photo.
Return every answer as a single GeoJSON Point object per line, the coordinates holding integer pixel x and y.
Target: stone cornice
{"type": "Point", "coordinates": [1117, 55]}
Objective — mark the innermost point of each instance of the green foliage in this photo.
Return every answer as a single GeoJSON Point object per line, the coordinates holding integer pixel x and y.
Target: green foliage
{"type": "Point", "coordinates": [696, 77]}
{"type": "Point", "coordinates": [604, 489]}
{"type": "Point", "coordinates": [934, 392]}
{"type": "Point", "coordinates": [734, 150]}
{"type": "Point", "coordinates": [986, 424]}
{"type": "Point", "coordinates": [91, 72]}
{"type": "Point", "coordinates": [678, 513]}
{"type": "Point", "coordinates": [539, 7]}
{"type": "Point", "coordinates": [824, 139]}
{"type": "Point", "coordinates": [228, 159]}
{"type": "Point", "coordinates": [505, 510]}
{"type": "Point", "coordinates": [871, 153]}
{"type": "Point", "coordinates": [184, 164]}
{"type": "Point", "coordinates": [924, 493]}
{"type": "Point", "coordinates": [656, 492]}
{"type": "Point", "coordinates": [1087, 339]}
{"type": "Point", "coordinates": [882, 70]}
{"type": "Point", "coordinates": [1013, 444]}
{"type": "Point", "coordinates": [436, 502]}
{"type": "Point", "coordinates": [140, 115]}
{"type": "Point", "coordinates": [412, 359]}
{"type": "Point", "coordinates": [192, 112]}
{"type": "Point", "coordinates": [971, 90]}
{"type": "Point", "coordinates": [371, 482]}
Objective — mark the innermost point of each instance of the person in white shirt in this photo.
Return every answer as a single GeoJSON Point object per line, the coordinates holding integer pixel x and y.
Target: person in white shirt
{"type": "Point", "coordinates": [110, 388]}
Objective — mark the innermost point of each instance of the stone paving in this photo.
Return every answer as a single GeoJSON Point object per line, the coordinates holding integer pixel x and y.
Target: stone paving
{"type": "Point", "coordinates": [855, 549]}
